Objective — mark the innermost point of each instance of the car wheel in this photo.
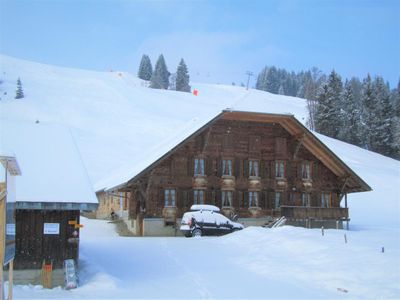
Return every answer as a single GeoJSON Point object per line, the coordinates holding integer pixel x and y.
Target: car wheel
{"type": "Point", "coordinates": [197, 232]}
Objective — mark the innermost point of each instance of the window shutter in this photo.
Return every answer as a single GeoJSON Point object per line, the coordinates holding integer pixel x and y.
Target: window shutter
{"type": "Point", "coordinates": [207, 197]}
{"type": "Point", "coordinates": [246, 199]}
{"type": "Point", "coordinates": [219, 173]}
{"type": "Point", "coordinates": [190, 167]}
{"type": "Point", "coordinates": [263, 169]}
{"type": "Point", "coordinates": [271, 199]}
{"type": "Point", "coordinates": [161, 197]}
{"type": "Point", "coordinates": [272, 169]}
{"type": "Point", "coordinates": [239, 199]}
{"type": "Point", "coordinates": [262, 198]}
{"type": "Point", "coordinates": [288, 165]}
{"type": "Point", "coordinates": [315, 170]}
{"type": "Point", "coordinates": [209, 166]}
{"type": "Point", "coordinates": [236, 167]}
{"type": "Point", "coordinates": [218, 200]}
{"type": "Point", "coordinates": [245, 168]}
{"type": "Point", "coordinates": [179, 198]}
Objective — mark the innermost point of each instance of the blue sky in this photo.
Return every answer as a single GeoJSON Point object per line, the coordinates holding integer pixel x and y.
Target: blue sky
{"type": "Point", "coordinates": [219, 40]}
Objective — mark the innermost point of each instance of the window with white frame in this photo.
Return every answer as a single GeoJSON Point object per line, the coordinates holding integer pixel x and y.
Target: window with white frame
{"type": "Point", "coordinates": [253, 168]}
{"type": "Point", "coordinates": [226, 198]}
{"type": "Point", "coordinates": [278, 199]}
{"type": "Point", "coordinates": [253, 199]}
{"type": "Point", "coordinates": [306, 170]}
{"type": "Point", "coordinates": [280, 169]}
{"type": "Point", "coordinates": [199, 167]}
{"type": "Point", "coordinates": [227, 167]}
{"type": "Point", "coordinates": [326, 199]}
{"type": "Point", "coordinates": [169, 197]}
{"type": "Point", "coordinates": [198, 196]}
{"type": "Point", "coordinates": [306, 199]}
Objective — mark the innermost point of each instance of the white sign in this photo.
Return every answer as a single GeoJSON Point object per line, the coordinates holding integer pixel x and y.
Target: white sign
{"type": "Point", "coordinates": [10, 229]}
{"type": "Point", "coordinates": [51, 228]}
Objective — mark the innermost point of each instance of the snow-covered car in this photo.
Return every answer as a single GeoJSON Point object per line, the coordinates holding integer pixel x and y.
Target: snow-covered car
{"type": "Point", "coordinates": [206, 220]}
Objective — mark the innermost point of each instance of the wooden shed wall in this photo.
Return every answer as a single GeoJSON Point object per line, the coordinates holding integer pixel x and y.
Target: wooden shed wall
{"type": "Point", "coordinates": [33, 246]}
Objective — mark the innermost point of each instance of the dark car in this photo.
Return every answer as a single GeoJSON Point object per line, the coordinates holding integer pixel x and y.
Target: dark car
{"type": "Point", "coordinates": [206, 220]}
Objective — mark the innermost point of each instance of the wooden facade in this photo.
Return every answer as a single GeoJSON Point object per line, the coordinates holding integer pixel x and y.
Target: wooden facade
{"type": "Point", "coordinates": [33, 245]}
{"type": "Point", "coordinates": [248, 164]}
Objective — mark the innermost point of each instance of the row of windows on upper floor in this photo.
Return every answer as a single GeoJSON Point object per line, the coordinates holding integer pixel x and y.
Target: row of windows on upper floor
{"type": "Point", "coordinates": [254, 168]}
{"type": "Point", "coordinates": [250, 199]}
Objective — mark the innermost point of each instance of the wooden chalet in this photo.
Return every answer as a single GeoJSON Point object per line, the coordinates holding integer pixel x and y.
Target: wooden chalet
{"type": "Point", "coordinates": [255, 165]}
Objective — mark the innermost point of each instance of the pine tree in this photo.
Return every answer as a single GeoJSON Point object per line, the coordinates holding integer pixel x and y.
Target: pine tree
{"type": "Point", "coordinates": [369, 107]}
{"type": "Point", "coordinates": [382, 139]}
{"type": "Point", "coordinates": [145, 68]}
{"type": "Point", "coordinates": [182, 77]}
{"type": "Point", "coordinates": [261, 80]}
{"type": "Point", "coordinates": [352, 116]}
{"type": "Point", "coordinates": [160, 76]}
{"type": "Point", "coordinates": [19, 92]}
{"type": "Point", "coordinates": [395, 100]}
{"type": "Point", "coordinates": [329, 117]}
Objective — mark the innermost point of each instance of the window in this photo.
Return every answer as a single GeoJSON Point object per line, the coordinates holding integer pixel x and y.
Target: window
{"type": "Point", "coordinates": [326, 200]}
{"type": "Point", "coordinates": [278, 198]}
{"type": "Point", "coordinates": [253, 168]}
{"type": "Point", "coordinates": [169, 197]}
{"type": "Point", "coordinates": [253, 199]}
{"type": "Point", "coordinates": [280, 169]}
{"type": "Point", "coordinates": [306, 199]}
{"type": "Point", "coordinates": [198, 197]}
{"type": "Point", "coordinates": [306, 170]}
{"type": "Point", "coordinates": [227, 198]}
{"type": "Point", "coordinates": [227, 167]}
{"type": "Point", "coordinates": [199, 167]}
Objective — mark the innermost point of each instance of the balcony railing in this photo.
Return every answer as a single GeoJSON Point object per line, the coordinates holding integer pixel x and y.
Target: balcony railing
{"type": "Point", "coordinates": [302, 212]}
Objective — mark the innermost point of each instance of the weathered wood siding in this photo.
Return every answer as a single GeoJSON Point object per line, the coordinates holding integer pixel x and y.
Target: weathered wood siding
{"type": "Point", "coordinates": [33, 246]}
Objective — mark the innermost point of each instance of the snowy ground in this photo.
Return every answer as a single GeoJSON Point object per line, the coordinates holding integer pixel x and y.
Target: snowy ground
{"type": "Point", "coordinates": [285, 262]}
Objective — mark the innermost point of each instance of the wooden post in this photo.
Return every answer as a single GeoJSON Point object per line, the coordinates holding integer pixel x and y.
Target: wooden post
{"type": "Point", "coordinates": [345, 239]}
{"type": "Point", "coordinates": [10, 279]}
{"type": "Point", "coordinates": [322, 230]}
{"type": "Point", "coordinates": [47, 275]}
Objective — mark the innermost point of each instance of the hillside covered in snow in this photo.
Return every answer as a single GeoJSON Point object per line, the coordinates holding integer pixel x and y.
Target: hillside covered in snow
{"type": "Point", "coordinates": [118, 123]}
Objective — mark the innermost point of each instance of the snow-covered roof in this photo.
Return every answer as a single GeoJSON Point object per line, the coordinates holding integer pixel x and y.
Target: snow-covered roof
{"type": "Point", "coordinates": [138, 165]}
{"type": "Point", "coordinates": [53, 174]}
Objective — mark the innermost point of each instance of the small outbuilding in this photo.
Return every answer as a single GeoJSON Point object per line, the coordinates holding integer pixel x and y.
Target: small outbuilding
{"type": "Point", "coordinates": [52, 191]}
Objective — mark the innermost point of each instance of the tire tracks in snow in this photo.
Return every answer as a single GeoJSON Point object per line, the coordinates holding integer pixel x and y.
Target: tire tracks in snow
{"type": "Point", "coordinates": [197, 280]}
